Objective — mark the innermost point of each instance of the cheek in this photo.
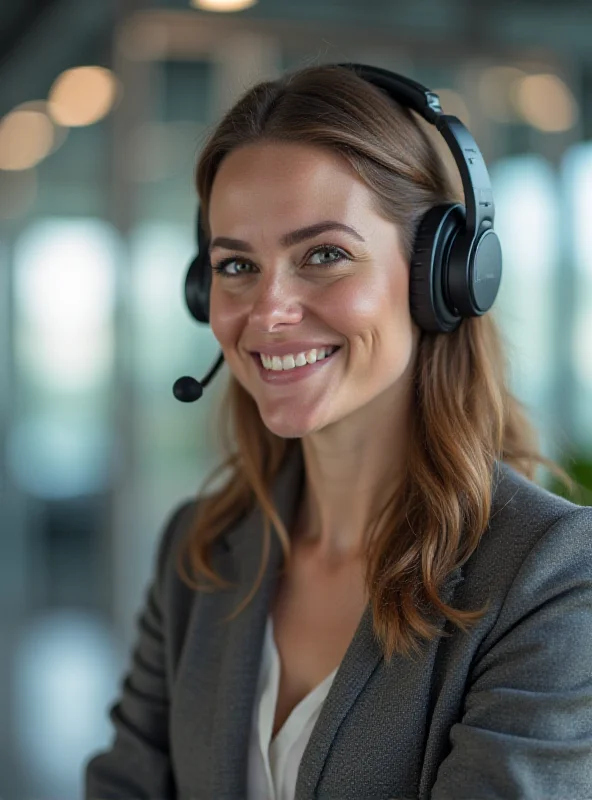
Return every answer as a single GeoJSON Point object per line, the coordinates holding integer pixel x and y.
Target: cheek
{"type": "Point", "coordinates": [398, 295]}
{"type": "Point", "coordinates": [370, 305]}
{"type": "Point", "coordinates": [354, 304]}
{"type": "Point", "coordinates": [405, 331]}
{"type": "Point", "coordinates": [224, 317]}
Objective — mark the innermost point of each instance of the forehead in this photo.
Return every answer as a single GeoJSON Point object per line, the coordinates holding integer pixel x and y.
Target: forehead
{"type": "Point", "coordinates": [285, 178]}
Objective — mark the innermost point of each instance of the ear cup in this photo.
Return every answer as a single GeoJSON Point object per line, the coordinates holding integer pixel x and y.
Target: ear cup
{"type": "Point", "coordinates": [474, 272]}
{"type": "Point", "coordinates": [430, 305]}
{"type": "Point", "coordinates": [198, 280]}
{"type": "Point", "coordinates": [197, 288]}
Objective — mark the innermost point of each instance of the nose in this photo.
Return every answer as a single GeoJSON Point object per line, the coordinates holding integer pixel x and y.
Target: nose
{"type": "Point", "coordinates": [275, 301]}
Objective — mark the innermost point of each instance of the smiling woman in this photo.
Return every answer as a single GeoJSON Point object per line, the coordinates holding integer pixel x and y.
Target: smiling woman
{"type": "Point", "coordinates": [385, 641]}
{"type": "Point", "coordinates": [358, 301]}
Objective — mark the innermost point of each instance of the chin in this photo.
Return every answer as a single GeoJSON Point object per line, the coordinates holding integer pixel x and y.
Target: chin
{"type": "Point", "coordinates": [287, 430]}
{"type": "Point", "coordinates": [290, 427]}
{"type": "Point", "coordinates": [286, 424]}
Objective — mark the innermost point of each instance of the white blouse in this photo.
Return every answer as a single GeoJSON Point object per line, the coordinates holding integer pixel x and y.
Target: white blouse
{"type": "Point", "coordinates": [273, 765]}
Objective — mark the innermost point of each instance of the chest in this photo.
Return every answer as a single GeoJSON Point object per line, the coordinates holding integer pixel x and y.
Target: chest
{"type": "Point", "coordinates": [315, 616]}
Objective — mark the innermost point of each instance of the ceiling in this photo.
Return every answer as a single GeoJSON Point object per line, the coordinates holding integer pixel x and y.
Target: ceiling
{"type": "Point", "coordinates": [565, 22]}
{"type": "Point", "coordinates": [17, 19]}
{"type": "Point", "coordinates": [40, 38]}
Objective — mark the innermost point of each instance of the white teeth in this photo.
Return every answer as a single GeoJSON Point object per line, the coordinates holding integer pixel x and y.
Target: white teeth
{"type": "Point", "coordinates": [278, 363]}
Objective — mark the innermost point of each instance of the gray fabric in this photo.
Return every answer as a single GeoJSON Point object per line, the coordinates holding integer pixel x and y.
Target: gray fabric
{"type": "Point", "coordinates": [504, 711]}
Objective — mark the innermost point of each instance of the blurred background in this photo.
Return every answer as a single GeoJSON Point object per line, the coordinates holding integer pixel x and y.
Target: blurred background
{"type": "Point", "coordinates": [103, 110]}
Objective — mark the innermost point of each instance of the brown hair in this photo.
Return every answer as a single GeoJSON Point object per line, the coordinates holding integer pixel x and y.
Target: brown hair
{"type": "Point", "coordinates": [466, 418]}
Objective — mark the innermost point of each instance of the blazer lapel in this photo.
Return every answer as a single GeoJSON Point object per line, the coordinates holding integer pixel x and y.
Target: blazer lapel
{"type": "Point", "coordinates": [362, 658]}
{"type": "Point", "coordinates": [359, 662]}
{"type": "Point", "coordinates": [243, 636]}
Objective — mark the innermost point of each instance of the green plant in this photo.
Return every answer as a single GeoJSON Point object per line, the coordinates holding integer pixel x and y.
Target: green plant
{"type": "Point", "coordinates": [578, 465]}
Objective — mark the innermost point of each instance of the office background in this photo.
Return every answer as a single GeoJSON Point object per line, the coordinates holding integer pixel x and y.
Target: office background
{"type": "Point", "coordinates": [103, 110]}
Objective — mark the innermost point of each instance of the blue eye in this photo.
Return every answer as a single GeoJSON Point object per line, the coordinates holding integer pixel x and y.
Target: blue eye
{"type": "Point", "coordinates": [340, 255]}
{"type": "Point", "coordinates": [220, 267]}
{"type": "Point", "coordinates": [335, 251]}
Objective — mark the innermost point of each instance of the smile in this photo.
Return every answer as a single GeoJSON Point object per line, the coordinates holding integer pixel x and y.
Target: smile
{"type": "Point", "coordinates": [291, 361]}
{"type": "Point", "coordinates": [295, 373]}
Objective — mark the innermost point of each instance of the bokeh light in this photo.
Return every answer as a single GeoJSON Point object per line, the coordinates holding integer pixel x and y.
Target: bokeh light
{"type": "Point", "coordinates": [546, 102]}
{"type": "Point", "coordinates": [83, 95]}
{"type": "Point", "coordinates": [222, 5]}
{"type": "Point", "coordinates": [64, 292]}
{"type": "Point", "coordinates": [26, 137]}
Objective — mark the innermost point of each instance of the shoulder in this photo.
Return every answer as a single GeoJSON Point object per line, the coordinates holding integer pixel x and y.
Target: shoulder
{"type": "Point", "coordinates": [175, 535]}
{"type": "Point", "coordinates": [174, 529]}
{"type": "Point", "coordinates": [531, 533]}
{"type": "Point", "coordinates": [511, 487]}
{"type": "Point", "coordinates": [524, 511]}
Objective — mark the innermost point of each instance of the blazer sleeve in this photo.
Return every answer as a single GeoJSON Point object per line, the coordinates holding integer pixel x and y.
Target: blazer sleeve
{"type": "Point", "coordinates": [526, 730]}
{"type": "Point", "coordinates": [137, 766]}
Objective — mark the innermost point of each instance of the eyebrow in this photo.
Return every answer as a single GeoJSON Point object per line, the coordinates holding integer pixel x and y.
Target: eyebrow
{"type": "Point", "coordinates": [288, 239]}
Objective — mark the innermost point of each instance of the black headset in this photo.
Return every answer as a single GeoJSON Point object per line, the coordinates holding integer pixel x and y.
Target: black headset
{"type": "Point", "coordinates": [456, 267]}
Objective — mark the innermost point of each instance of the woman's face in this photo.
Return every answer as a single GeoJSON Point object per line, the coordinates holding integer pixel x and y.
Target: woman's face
{"type": "Point", "coordinates": [346, 286]}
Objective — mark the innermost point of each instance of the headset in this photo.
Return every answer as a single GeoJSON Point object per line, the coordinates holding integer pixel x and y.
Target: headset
{"type": "Point", "coordinates": [456, 267]}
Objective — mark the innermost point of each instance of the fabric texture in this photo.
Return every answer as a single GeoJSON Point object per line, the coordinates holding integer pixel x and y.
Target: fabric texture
{"type": "Point", "coordinates": [502, 711]}
{"type": "Point", "coordinates": [273, 763]}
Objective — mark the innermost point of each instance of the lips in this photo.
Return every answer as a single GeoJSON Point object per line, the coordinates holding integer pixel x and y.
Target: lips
{"type": "Point", "coordinates": [291, 375]}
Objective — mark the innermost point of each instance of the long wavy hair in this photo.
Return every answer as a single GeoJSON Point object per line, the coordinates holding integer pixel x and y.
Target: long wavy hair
{"type": "Point", "coordinates": [465, 416]}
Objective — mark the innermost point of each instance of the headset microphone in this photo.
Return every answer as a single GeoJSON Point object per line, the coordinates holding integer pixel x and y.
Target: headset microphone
{"type": "Point", "coordinates": [188, 389]}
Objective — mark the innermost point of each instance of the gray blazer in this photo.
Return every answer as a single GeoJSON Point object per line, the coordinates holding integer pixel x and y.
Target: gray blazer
{"type": "Point", "coordinates": [504, 711]}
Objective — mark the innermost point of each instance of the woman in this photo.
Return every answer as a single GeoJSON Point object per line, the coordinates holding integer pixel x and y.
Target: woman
{"type": "Point", "coordinates": [418, 623]}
